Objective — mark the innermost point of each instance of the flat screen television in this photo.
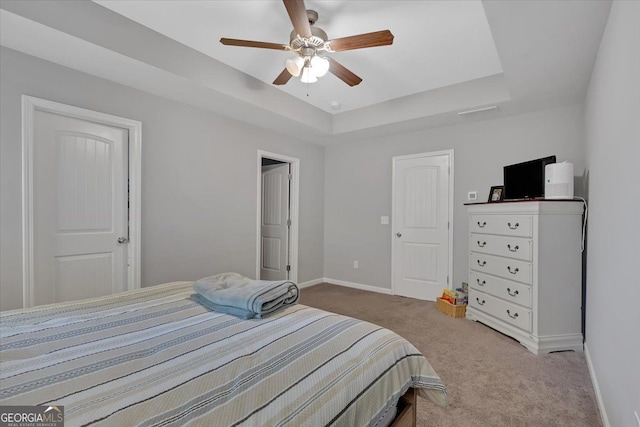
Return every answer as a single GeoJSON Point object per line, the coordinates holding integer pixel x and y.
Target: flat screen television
{"type": "Point", "coordinates": [526, 180]}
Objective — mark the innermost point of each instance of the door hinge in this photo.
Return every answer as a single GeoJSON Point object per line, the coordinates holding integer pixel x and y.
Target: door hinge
{"type": "Point", "coordinates": [448, 225]}
{"type": "Point", "coordinates": [288, 223]}
{"type": "Point", "coordinates": [447, 280]}
{"type": "Point", "coordinates": [290, 177]}
{"type": "Point", "coordinates": [288, 268]}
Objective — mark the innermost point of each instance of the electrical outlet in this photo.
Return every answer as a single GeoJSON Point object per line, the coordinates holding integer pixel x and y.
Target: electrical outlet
{"type": "Point", "coordinates": [355, 264]}
{"type": "Point", "coordinates": [384, 220]}
{"type": "Point", "coordinates": [472, 196]}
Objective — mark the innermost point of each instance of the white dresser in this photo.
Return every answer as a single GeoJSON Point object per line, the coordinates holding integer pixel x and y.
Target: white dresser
{"type": "Point", "coordinates": [525, 271]}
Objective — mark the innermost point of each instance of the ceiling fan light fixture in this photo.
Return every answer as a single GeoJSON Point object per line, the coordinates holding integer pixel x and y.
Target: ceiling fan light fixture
{"type": "Point", "coordinates": [294, 65]}
{"type": "Point", "coordinates": [308, 76]}
{"type": "Point", "coordinates": [319, 66]}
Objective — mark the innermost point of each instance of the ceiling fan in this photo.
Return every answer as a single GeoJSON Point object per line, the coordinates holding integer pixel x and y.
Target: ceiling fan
{"type": "Point", "coordinates": [310, 44]}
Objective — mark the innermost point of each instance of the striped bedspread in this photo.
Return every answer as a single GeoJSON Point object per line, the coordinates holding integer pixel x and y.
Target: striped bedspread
{"type": "Point", "coordinates": [156, 357]}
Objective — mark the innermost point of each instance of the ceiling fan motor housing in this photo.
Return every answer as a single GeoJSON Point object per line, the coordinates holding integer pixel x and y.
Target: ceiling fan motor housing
{"type": "Point", "coordinates": [317, 39]}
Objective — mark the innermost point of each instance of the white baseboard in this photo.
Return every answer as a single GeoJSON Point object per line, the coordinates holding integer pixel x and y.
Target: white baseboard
{"type": "Point", "coordinates": [311, 283]}
{"type": "Point", "coordinates": [596, 388]}
{"type": "Point", "coordinates": [344, 283]}
{"type": "Point", "coordinates": [360, 286]}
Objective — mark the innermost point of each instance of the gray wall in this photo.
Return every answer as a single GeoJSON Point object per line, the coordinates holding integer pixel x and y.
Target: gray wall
{"type": "Point", "coordinates": [358, 183]}
{"type": "Point", "coordinates": [198, 178]}
{"type": "Point", "coordinates": [613, 250]}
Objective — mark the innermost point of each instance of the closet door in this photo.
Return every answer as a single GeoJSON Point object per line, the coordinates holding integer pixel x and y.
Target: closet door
{"type": "Point", "coordinates": [421, 225]}
{"type": "Point", "coordinates": [80, 209]}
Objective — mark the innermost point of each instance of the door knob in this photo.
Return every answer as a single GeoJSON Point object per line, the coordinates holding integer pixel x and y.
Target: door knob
{"type": "Point", "coordinates": [399, 234]}
{"type": "Point", "coordinates": [123, 240]}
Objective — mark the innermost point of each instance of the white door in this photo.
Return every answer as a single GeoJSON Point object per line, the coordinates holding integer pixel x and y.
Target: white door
{"type": "Point", "coordinates": [421, 193]}
{"type": "Point", "coordinates": [80, 180]}
{"type": "Point", "coordinates": [275, 222]}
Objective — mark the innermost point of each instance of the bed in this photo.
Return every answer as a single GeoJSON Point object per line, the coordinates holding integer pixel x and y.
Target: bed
{"type": "Point", "coordinates": [156, 357]}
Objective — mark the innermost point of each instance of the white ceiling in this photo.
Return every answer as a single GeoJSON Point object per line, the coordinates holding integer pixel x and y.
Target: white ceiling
{"type": "Point", "coordinates": [447, 57]}
{"type": "Point", "coordinates": [437, 43]}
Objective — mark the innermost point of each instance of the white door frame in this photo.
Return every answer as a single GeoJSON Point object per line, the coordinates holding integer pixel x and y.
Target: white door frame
{"type": "Point", "coordinates": [294, 200]}
{"type": "Point", "coordinates": [29, 106]}
{"type": "Point", "coordinates": [450, 219]}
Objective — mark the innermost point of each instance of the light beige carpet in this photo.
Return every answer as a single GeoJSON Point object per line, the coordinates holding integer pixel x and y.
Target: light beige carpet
{"type": "Point", "coordinates": [491, 379]}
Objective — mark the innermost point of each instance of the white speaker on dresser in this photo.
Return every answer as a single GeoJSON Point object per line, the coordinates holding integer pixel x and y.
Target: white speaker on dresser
{"type": "Point", "coordinates": [558, 181]}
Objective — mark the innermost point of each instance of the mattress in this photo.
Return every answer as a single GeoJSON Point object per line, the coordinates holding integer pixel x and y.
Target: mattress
{"type": "Point", "coordinates": [156, 357]}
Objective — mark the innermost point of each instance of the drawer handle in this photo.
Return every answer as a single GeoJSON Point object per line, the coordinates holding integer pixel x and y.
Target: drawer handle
{"type": "Point", "coordinates": [480, 302]}
{"type": "Point", "coordinates": [514, 271]}
{"type": "Point", "coordinates": [484, 223]}
{"type": "Point", "coordinates": [516, 225]}
{"type": "Point", "coordinates": [482, 245]}
{"type": "Point", "coordinates": [512, 294]}
{"type": "Point", "coordinates": [482, 264]}
{"type": "Point", "coordinates": [481, 283]}
{"type": "Point", "coordinates": [515, 315]}
{"type": "Point", "coordinates": [515, 248]}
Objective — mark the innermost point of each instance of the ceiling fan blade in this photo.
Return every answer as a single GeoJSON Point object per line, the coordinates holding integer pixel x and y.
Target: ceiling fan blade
{"type": "Point", "coordinates": [298, 15]}
{"type": "Point", "coordinates": [378, 38]}
{"type": "Point", "coordinates": [343, 73]}
{"type": "Point", "coordinates": [283, 78]}
{"type": "Point", "coordinates": [251, 43]}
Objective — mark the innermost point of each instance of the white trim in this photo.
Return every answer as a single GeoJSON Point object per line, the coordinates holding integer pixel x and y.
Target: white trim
{"type": "Point", "coordinates": [450, 219]}
{"type": "Point", "coordinates": [360, 286]}
{"type": "Point", "coordinates": [294, 211]}
{"type": "Point", "coordinates": [311, 283]}
{"type": "Point", "coordinates": [346, 284]}
{"type": "Point", "coordinates": [134, 127]}
{"type": "Point", "coordinates": [596, 388]}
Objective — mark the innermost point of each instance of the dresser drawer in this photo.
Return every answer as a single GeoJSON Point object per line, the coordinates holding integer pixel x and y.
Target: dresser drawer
{"type": "Point", "coordinates": [512, 247]}
{"type": "Point", "coordinates": [511, 269]}
{"type": "Point", "coordinates": [507, 312]}
{"type": "Point", "coordinates": [501, 288]}
{"type": "Point", "coordinates": [507, 225]}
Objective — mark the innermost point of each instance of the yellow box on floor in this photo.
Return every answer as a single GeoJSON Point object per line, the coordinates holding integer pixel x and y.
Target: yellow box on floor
{"type": "Point", "coordinates": [450, 309]}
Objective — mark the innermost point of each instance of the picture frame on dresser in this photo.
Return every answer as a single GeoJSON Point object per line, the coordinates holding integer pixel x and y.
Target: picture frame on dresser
{"type": "Point", "coordinates": [496, 194]}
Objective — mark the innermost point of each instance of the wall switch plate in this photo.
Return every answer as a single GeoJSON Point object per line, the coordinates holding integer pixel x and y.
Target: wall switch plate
{"type": "Point", "coordinates": [472, 196]}
{"type": "Point", "coordinates": [355, 264]}
{"type": "Point", "coordinates": [384, 220]}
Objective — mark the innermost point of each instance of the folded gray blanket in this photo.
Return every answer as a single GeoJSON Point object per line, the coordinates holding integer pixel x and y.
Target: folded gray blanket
{"type": "Point", "coordinates": [234, 294]}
